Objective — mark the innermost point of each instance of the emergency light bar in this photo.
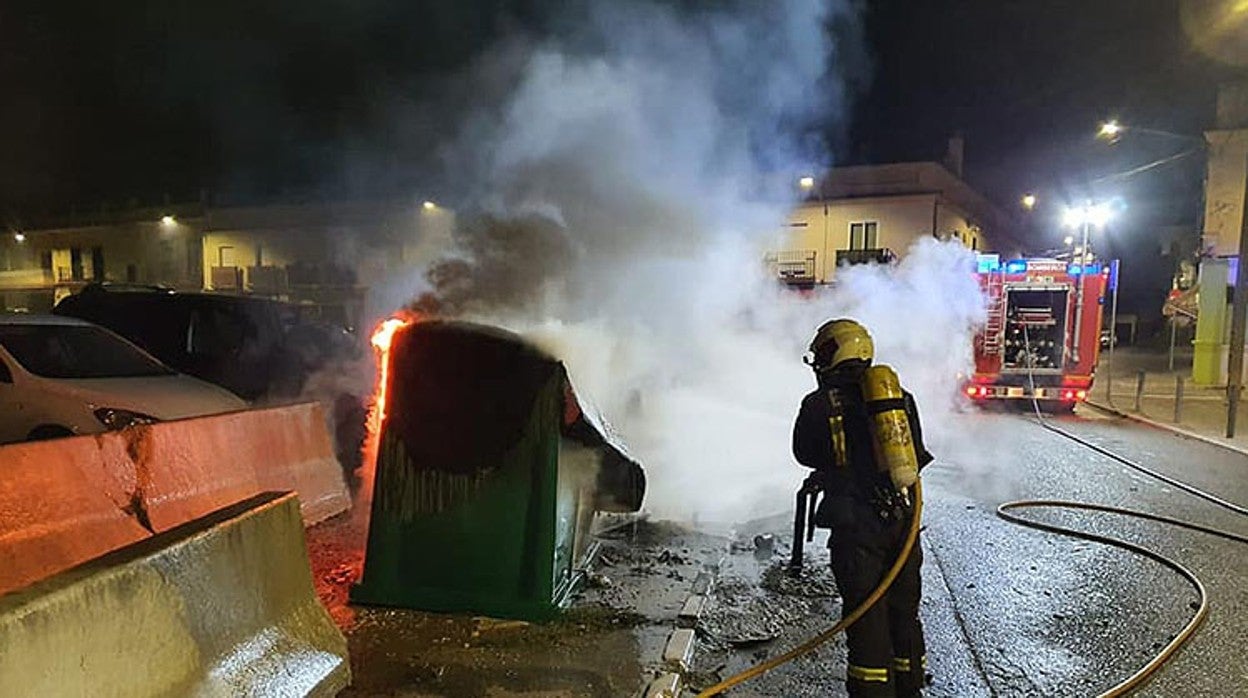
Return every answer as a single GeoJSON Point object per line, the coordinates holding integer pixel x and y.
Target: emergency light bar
{"type": "Point", "coordinates": [985, 263]}
{"type": "Point", "coordinates": [1074, 269]}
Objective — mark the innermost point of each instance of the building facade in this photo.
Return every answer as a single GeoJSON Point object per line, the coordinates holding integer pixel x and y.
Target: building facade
{"type": "Point", "coordinates": [875, 212]}
{"type": "Point", "coordinates": [1226, 186]}
{"type": "Point", "coordinates": [323, 255]}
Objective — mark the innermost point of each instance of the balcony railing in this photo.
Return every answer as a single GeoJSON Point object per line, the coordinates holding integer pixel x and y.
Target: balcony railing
{"type": "Point", "coordinates": [26, 278]}
{"type": "Point", "coordinates": [881, 255]}
{"type": "Point", "coordinates": [793, 266]}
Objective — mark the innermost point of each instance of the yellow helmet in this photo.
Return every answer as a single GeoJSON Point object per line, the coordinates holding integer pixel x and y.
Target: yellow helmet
{"type": "Point", "coordinates": [838, 341]}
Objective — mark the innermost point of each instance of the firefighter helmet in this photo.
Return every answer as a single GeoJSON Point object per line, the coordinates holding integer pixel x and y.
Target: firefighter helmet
{"type": "Point", "coordinates": [838, 341]}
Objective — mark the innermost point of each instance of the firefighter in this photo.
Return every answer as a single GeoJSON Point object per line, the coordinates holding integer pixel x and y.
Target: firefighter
{"type": "Point", "coordinates": [863, 463]}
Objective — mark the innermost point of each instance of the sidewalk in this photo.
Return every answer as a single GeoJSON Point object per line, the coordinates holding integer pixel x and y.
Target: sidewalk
{"type": "Point", "coordinates": [1202, 410]}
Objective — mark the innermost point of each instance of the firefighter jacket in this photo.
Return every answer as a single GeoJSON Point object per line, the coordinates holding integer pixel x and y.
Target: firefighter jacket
{"type": "Point", "coordinates": [832, 436]}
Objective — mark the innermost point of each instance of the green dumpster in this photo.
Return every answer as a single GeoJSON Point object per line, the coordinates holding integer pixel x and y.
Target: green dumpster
{"type": "Point", "coordinates": [489, 473]}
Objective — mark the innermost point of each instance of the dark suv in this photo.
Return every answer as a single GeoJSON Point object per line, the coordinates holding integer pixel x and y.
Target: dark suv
{"type": "Point", "coordinates": [261, 350]}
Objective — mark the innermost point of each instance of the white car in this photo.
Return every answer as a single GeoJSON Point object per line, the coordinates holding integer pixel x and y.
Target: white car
{"type": "Point", "coordinates": [61, 376]}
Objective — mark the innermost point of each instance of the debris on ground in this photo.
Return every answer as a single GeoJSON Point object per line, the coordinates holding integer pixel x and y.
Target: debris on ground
{"type": "Point", "coordinates": [811, 581]}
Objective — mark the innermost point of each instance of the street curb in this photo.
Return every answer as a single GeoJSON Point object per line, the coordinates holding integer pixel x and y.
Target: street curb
{"type": "Point", "coordinates": [681, 644]}
{"type": "Point", "coordinates": [1167, 427]}
{"type": "Point", "coordinates": [666, 686]}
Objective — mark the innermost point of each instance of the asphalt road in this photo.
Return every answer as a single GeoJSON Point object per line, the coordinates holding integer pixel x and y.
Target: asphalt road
{"type": "Point", "coordinates": [1009, 611]}
{"type": "Point", "coordinates": [1012, 611]}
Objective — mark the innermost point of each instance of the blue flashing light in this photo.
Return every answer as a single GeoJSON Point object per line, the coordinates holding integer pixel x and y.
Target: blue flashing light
{"type": "Point", "coordinates": [1076, 270]}
{"type": "Point", "coordinates": [987, 263]}
{"type": "Point", "coordinates": [1016, 266]}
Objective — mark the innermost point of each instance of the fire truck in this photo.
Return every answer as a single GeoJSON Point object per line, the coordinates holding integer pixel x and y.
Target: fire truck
{"type": "Point", "coordinates": [1042, 335]}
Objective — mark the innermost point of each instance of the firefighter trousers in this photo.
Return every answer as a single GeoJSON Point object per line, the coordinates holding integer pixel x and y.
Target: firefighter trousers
{"type": "Point", "coordinates": [887, 657]}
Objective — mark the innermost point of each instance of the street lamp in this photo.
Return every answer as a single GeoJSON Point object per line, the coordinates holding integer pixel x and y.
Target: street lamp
{"type": "Point", "coordinates": [808, 184]}
{"type": "Point", "coordinates": [1029, 201]}
{"type": "Point", "coordinates": [19, 236]}
{"type": "Point", "coordinates": [1110, 130]}
{"type": "Point", "coordinates": [1084, 218]}
{"type": "Point", "coordinates": [429, 206]}
{"type": "Point", "coordinates": [168, 221]}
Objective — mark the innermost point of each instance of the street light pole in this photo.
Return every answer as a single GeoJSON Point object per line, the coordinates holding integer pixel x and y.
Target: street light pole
{"type": "Point", "coordinates": [1083, 256]}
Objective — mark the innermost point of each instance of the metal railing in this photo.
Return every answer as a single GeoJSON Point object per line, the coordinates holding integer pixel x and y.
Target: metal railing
{"type": "Point", "coordinates": [793, 266]}
{"type": "Point", "coordinates": [880, 255]}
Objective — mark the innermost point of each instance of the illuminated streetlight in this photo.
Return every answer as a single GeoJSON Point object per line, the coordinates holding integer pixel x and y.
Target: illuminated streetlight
{"type": "Point", "coordinates": [806, 183]}
{"type": "Point", "coordinates": [1069, 240]}
{"type": "Point", "coordinates": [1095, 216]}
{"type": "Point", "coordinates": [430, 206]}
{"type": "Point", "coordinates": [1110, 130]}
{"type": "Point", "coordinates": [1029, 201]}
{"type": "Point", "coordinates": [168, 220]}
{"type": "Point", "coordinates": [20, 237]}
{"type": "Point", "coordinates": [1084, 218]}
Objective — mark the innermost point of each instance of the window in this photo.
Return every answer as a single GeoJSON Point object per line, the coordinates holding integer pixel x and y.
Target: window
{"type": "Point", "coordinates": [862, 235]}
{"type": "Point", "coordinates": [216, 332]}
{"type": "Point", "coordinates": [76, 351]}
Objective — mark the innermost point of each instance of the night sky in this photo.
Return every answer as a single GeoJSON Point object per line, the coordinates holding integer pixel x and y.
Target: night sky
{"type": "Point", "coordinates": [251, 101]}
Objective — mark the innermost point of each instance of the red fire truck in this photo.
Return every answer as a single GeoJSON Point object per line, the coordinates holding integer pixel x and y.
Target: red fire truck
{"type": "Point", "coordinates": [1042, 335]}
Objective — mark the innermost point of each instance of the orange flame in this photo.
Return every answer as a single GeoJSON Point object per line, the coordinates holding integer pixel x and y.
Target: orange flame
{"type": "Point", "coordinates": [381, 339]}
{"type": "Point", "coordinates": [382, 336]}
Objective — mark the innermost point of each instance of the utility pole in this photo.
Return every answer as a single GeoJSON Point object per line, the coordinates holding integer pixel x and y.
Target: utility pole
{"type": "Point", "coordinates": [1082, 265]}
{"type": "Point", "coordinates": [1113, 332]}
{"type": "Point", "coordinates": [1239, 311]}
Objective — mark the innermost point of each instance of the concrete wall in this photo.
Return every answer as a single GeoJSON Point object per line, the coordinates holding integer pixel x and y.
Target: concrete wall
{"type": "Point", "coordinates": [901, 219]}
{"type": "Point", "coordinates": [1225, 180]}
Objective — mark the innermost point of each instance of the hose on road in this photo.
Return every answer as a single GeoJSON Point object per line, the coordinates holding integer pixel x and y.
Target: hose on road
{"type": "Point", "coordinates": [912, 535]}
{"type": "Point", "coordinates": [1132, 682]}
{"type": "Point", "coordinates": [1004, 511]}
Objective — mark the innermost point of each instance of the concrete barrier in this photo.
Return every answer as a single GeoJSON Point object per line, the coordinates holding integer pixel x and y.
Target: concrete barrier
{"type": "Point", "coordinates": [61, 503]}
{"type": "Point", "coordinates": [66, 501]}
{"type": "Point", "coordinates": [221, 606]}
{"type": "Point", "coordinates": [191, 467]}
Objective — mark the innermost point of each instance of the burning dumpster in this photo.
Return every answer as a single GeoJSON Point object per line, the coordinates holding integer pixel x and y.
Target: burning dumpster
{"type": "Point", "coordinates": [488, 476]}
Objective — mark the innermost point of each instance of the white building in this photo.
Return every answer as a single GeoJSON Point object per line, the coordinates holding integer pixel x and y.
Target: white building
{"type": "Point", "coordinates": [875, 212]}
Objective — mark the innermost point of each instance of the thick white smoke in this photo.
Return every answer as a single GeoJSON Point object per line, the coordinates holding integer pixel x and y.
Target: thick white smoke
{"type": "Point", "coordinates": [626, 202]}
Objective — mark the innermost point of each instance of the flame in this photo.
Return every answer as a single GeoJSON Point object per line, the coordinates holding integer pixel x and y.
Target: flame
{"type": "Point", "coordinates": [381, 339]}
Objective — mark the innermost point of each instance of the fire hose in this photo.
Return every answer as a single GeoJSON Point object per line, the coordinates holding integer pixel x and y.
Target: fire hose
{"type": "Point", "coordinates": [1003, 511]}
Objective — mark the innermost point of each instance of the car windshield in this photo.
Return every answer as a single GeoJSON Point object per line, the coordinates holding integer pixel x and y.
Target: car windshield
{"type": "Point", "coordinates": [76, 351]}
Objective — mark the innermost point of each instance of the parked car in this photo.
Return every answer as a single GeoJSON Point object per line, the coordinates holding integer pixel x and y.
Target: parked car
{"type": "Point", "coordinates": [60, 376]}
{"type": "Point", "coordinates": [259, 349]}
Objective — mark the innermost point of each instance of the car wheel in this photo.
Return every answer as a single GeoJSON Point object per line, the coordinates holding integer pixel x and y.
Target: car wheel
{"type": "Point", "coordinates": [48, 431]}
